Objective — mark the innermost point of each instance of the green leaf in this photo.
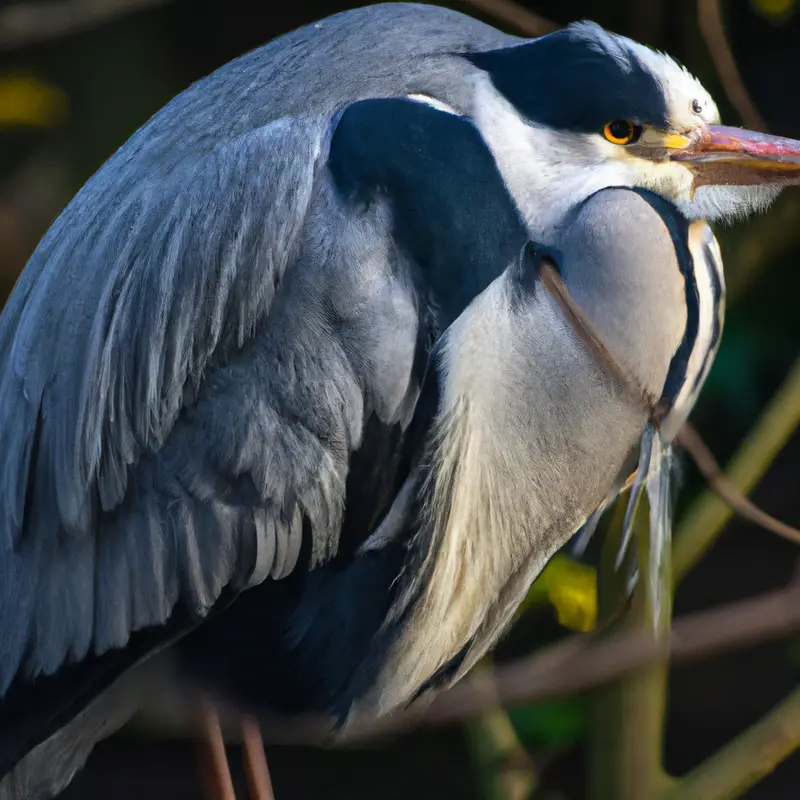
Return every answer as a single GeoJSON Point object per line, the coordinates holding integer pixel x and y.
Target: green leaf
{"type": "Point", "coordinates": [555, 723]}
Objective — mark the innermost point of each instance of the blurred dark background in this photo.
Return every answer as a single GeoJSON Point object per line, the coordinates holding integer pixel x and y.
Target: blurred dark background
{"type": "Point", "coordinates": [67, 102]}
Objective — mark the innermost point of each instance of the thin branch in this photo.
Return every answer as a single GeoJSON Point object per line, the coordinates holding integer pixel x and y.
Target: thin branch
{"type": "Point", "coordinates": [626, 717]}
{"type": "Point", "coordinates": [705, 518]}
{"type": "Point", "coordinates": [580, 663]}
{"type": "Point", "coordinates": [576, 664]}
{"type": "Point", "coordinates": [709, 17]}
{"type": "Point", "coordinates": [691, 441]}
{"type": "Point", "coordinates": [503, 765]}
{"type": "Point", "coordinates": [585, 330]}
{"type": "Point", "coordinates": [24, 24]}
{"type": "Point", "coordinates": [687, 437]}
{"type": "Point", "coordinates": [747, 759]}
{"type": "Point", "coordinates": [514, 15]}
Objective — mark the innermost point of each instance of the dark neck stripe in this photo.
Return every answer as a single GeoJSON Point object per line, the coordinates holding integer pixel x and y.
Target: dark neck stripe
{"type": "Point", "coordinates": [714, 269]}
{"type": "Point", "coordinates": [678, 228]}
{"type": "Point", "coordinates": [679, 366]}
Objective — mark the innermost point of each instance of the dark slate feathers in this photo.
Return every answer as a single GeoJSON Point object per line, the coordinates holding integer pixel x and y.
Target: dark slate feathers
{"type": "Point", "coordinates": [127, 311]}
{"type": "Point", "coordinates": [160, 270]}
{"type": "Point", "coordinates": [201, 364]}
{"type": "Point", "coordinates": [445, 191]}
{"type": "Point", "coordinates": [141, 503]}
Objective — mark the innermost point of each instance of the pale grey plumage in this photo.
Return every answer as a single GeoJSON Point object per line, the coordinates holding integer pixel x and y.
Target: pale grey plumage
{"type": "Point", "coordinates": [618, 258]}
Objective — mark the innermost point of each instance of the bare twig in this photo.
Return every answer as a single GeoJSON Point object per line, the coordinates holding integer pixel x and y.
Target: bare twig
{"type": "Point", "coordinates": [705, 518]}
{"type": "Point", "coordinates": [579, 663]}
{"type": "Point", "coordinates": [583, 328]}
{"type": "Point", "coordinates": [514, 15]}
{"type": "Point", "coordinates": [690, 440]}
{"type": "Point", "coordinates": [747, 759]}
{"type": "Point", "coordinates": [23, 24]}
{"type": "Point", "coordinates": [688, 437]}
{"type": "Point", "coordinates": [504, 766]}
{"type": "Point", "coordinates": [709, 17]}
{"type": "Point", "coordinates": [626, 717]}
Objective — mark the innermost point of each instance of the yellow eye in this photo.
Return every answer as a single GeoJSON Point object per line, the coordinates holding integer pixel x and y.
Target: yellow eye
{"type": "Point", "coordinates": [621, 131]}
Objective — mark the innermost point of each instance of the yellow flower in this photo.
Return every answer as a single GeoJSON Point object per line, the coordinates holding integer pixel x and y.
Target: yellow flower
{"type": "Point", "coordinates": [28, 101]}
{"type": "Point", "coordinates": [774, 9]}
{"type": "Point", "coordinates": [571, 588]}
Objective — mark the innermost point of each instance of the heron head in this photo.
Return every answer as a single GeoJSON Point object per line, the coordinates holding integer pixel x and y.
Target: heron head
{"type": "Point", "coordinates": [595, 109]}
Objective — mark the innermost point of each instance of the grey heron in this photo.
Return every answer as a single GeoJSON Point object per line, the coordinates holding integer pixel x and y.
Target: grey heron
{"type": "Point", "coordinates": [279, 390]}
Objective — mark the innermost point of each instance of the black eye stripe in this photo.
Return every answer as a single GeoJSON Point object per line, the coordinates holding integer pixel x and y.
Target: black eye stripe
{"type": "Point", "coordinates": [575, 79]}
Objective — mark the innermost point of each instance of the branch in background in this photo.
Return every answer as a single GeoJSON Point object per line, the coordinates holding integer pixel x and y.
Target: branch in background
{"type": "Point", "coordinates": [576, 664]}
{"type": "Point", "coordinates": [691, 441]}
{"type": "Point", "coordinates": [747, 759]}
{"type": "Point", "coordinates": [626, 717]}
{"type": "Point", "coordinates": [24, 24]}
{"type": "Point", "coordinates": [709, 16]}
{"type": "Point", "coordinates": [504, 767]}
{"type": "Point", "coordinates": [704, 519]}
{"type": "Point", "coordinates": [687, 437]}
{"type": "Point", "coordinates": [579, 663]}
{"type": "Point", "coordinates": [514, 15]}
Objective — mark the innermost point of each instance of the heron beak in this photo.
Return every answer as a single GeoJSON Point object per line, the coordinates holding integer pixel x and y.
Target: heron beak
{"type": "Point", "coordinates": [738, 157]}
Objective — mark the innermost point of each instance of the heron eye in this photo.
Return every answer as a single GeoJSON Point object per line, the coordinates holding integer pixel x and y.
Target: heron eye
{"type": "Point", "coordinates": [621, 131]}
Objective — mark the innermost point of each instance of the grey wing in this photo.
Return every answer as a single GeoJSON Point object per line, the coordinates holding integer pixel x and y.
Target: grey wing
{"type": "Point", "coordinates": [126, 490]}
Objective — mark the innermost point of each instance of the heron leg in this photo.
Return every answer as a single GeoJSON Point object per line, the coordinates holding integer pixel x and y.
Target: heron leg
{"type": "Point", "coordinates": [255, 761]}
{"type": "Point", "coordinates": [214, 759]}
